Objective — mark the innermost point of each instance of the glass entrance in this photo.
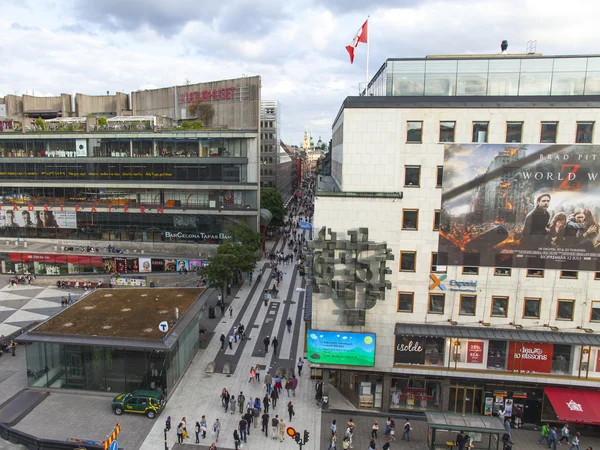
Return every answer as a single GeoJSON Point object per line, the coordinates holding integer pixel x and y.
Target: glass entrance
{"type": "Point", "coordinates": [465, 400]}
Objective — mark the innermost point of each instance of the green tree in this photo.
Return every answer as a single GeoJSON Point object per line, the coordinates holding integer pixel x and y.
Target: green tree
{"type": "Point", "coordinates": [243, 234]}
{"type": "Point", "coordinates": [223, 266]}
{"type": "Point", "coordinates": [39, 122]}
{"type": "Point", "coordinates": [102, 121]}
{"type": "Point", "coordinates": [217, 273]}
{"type": "Point", "coordinates": [271, 200]}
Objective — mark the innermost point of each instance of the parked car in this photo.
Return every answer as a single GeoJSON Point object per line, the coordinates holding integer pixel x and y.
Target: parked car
{"type": "Point", "coordinates": [150, 403]}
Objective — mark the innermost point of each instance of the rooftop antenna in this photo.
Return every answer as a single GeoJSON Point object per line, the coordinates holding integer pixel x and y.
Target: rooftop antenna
{"type": "Point", "coordinates": [531, 47]}
{"type": "Point", "coordinates": [504, 46]}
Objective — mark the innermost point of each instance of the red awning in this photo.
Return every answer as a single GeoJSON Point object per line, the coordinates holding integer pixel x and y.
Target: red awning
{"type": "Point", "coordinates": [575, 405]}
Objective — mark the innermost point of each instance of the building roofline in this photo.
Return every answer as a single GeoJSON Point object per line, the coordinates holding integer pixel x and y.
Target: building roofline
{"type": "Point", "coordinates": [475, 102]}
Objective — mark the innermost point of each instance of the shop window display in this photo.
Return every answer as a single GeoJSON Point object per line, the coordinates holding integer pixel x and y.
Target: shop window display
{"type": "Point", "coordinates": [496, 355]}
{"type": "Point", "coordinates": [420, 394]}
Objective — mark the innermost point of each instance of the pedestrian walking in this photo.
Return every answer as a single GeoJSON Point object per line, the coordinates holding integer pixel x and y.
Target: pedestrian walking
{"type": "Point", "coordinates": [374, 429]}
{"type": "Point", "coordinates": [213, 446]}
{"type": "Point", "coordinates": [299, 365]}
{"type": "Point", "coordinates": [332, 445]}
{"type": "Point", "coordinates": [290, 409]}
{"type": "Point", "coordinates": [278, 385]}
{"type": "Point", "coordinates": [281, 429]}
{"type": "Point", "coordinates": [575, 442]}
{"type": "Point", "coordinates": [197, 431]}
{"type": "Point", "coordinates": [348, 437]}
{"type": "Point", "coordinates": [231, 342]}
{"type": "Point", "coordinates": [268, 382]}
{"type": "Point", "coordinates": [333, 427]}
{"type": "Point", "coordinates": [461, 440]}
{"type": "Point", "coordinates": [235, 334]}
{"type": "Point", "coordinates": [265, 423]}
{"type": "Point", "coordinates": [222, 309]}
{"type": "Point", "coordinates": [13, 347]}
{"type": "Point", "coordinates": [552, 437]}
{"type": "Point", "coordinates": [243, 428]}
{"type": "Point", "coordinates": [180, 433]}
{"type": "Point", "coordinates": [219, 299]}
{"type": "Point", "coordinates": [545, 434]}
{"type": "Point", "coordinates": [266, 403]}
{"type": "Point", "coordinates": [564, 434]}
{"type": "Point", "coordinates": [252, 375]}
{"type": "Point", "coordinates": [203, 427]}
{"type": "Point", "coordinates": [236, 439]}
{"type": "Point", "coordinates": [507, 429]}
{"type": "Point", "coordinates": [275, 344]}
{"type": "Point", "coordinates": [275, 426]}
{"type": "Point", "coordinates": [241, 402]}
{"type": "Point", "coordinates": [230, 311]}
{"type": "Point", "coordinates": [346, 444]}
{"type": "Point", "coordinates": [274, 397]}
{"type": "Point", "coordinates": [222, 339]}
{"type": "Point", "coordinates": [185, 431]}
{"type": "Point", "coordinates": [257, 373]}
{"type": "Point", "coordinates": [232, 402]}
{"type": "Point", "coordinates": [256, 412]}
{"type": "Point", "coordinates": [266, 342]}
{"type": "Point", "coordinates": [217, 430]}
{"type": "Point", "coordinates": [407, 430]}
{"type": "Point", "coordinates": [288, 386]}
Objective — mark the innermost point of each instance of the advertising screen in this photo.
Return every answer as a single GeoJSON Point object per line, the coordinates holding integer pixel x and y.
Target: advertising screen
{"type": "Point", "coordinates": [333, 347]}
{"type": "Point", "coordinates": [514, 205]}
{"type": "Point", "coordinates": [37, 219]}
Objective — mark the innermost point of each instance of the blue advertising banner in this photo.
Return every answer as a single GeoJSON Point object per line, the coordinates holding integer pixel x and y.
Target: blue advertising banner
{"type": "Point", "coordinates": [305, 225]}
{"type": "Point", "coordinates": [336, 347]}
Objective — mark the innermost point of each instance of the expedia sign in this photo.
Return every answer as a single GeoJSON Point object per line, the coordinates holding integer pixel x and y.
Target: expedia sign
{"type": "Point", "coordinates": [201, 236]}
{"type": "Point", "coordinates": [452, 285]}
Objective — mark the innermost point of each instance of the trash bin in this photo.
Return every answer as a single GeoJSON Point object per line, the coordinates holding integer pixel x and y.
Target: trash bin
{"type": "Point", "coordinates": [211, 312]}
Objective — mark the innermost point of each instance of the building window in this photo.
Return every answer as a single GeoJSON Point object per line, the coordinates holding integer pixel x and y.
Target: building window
{"type": "Point", "coordinates": [502, 272]}
{"type": "Point", "coordinates": [596, 275]}
{"type": "Point", "coordinates": [435, 267]}
{"type": "Point", "coordinates": [410, 218]}
{"type": "Point", "coordinates": [437, 303]}
{"type": "Point", "coordinates": [536, 273]}
{"type": "Point", "coordinates": [470, 270]}
{"type": "Point", "coordinates": [480, 131]}
{"type": "Point", "coordinates": [440, 176]}
{"type": "Point", "coordinates": [595, 316]}
{"type": "Point", "coordinates": [548, 134]}
{"type": "Point", "coordinates": [584, 132]}
{"type": "Point", "coordinates": [468, 304]}
{"type": "Point", "coordinates": [414, 132]}
{"type": "Point", "coordinates": [447, 131]}
{"type": "Point", "coordinates": [437, 217]}
{"type": "Point", "coordinates": [572, 274]}
{"type": "Point", "coordinates": [412, 176]}
{"type": "Point", "coordinates": [406, 301]}
{"type": "Point", "coordinates": [408, 261]}
{"type": "Point", "coordinates": [514, 132]}
{"type": "Point", "coordinates": [564, 310]}
{"type": "Point", "coordinates": [531, 308]}
{"type": "Point", "coordinates": [499, 307]}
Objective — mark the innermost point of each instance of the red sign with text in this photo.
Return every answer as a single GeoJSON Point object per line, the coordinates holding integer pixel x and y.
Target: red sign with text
{"type": "Point", "coordinates": [530, 357]}
{"type": "Point", "coordinates": [207, 95]}
{"type": "Point", "coordinates": [475, 352]}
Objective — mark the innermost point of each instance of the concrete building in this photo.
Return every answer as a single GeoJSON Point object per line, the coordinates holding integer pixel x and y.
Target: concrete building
{"type": "Point", "coordinates": [172, 172]}
{"type": "Point", "coordinates": [459, 335]}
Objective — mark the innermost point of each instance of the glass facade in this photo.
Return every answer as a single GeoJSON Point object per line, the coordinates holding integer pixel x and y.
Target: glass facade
{"type": "Point", "coordinates": [480, 76]}
{"type": "Point", "coordinates": [124, 148]}
{"type": "Point", "coordinates": [110, 369]}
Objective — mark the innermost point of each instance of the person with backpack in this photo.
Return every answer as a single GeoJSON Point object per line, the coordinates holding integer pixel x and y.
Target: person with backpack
{"type": "Point", "coordinates": [256, 412]}
{"type": "Point", "coordinates": [552, 438]}
{"type": "Point", "coordinates": [266, 402]}
{"type": "Point", "coordinates": [564, 434]}
{"type": "Point", "coordinates": [236, 439]}
{"type": "Point", "coordinates": [274, 397]}
{"type": "Point", "coordinates": [243, 429]}
{"type": "Point", "coordinates": [265, 424]}
{"type": "Point", "coordinates": [275, 426]}
{"type": "Point", "coordinates": [241, 400]}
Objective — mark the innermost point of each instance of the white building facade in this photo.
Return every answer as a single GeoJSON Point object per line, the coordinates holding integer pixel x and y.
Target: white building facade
{"type": "Point", "coordinates": [463, 339]}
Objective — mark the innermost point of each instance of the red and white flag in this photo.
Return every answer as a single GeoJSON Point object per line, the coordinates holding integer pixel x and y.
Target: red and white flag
{"type": "Point", "coordinates": [361, 36]}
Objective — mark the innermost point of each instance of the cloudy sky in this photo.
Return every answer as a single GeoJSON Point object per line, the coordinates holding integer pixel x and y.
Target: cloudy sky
{"type": "Point", "coordinates": [297, 46]}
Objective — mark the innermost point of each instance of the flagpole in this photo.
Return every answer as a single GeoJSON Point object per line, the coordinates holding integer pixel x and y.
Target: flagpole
{"type": "Point", "coordinates": [368, 45]}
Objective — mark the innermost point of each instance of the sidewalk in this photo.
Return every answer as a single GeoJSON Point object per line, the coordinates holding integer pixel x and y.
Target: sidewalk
{"type": "Point", "coordinates": [198, 393]}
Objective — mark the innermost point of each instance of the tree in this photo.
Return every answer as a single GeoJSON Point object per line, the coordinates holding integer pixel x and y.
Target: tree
{"type": "Point", "coordinates": [39, 122]}
{"type": "Point", "coordinates": [271, 200]}
{"type": "Point", "coordinates": [243, 234]}
{"type": "Point", "coordinates": [223, 266]}
{"type": "Point", "coordinates": [204, 111]}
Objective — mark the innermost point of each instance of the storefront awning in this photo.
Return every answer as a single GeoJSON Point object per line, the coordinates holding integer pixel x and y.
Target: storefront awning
{"type": "Point", "coordinates": [575, 405]}
{"type": "Point", "coordinates": [498, 334]}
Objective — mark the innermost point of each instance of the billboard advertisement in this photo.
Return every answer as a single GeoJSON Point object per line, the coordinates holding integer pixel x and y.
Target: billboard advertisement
{"type": "Point", "coordinates": [336, 347]}
{"type": "Point", "coordinates": [37, 219]}
{"type": "Point", "coordinates": [515, 205]}
{"type": "Point", "coordinates": [530, 357]}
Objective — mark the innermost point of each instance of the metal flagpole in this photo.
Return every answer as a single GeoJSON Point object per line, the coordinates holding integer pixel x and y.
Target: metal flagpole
{"type": "Point", "coordinates": [368, 45]}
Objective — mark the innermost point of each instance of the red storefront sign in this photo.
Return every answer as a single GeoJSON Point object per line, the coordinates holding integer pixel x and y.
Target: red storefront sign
{"type": "Point", "coordinates": [530, 357]}
{"type": "Point", "coordinates": [95, 261]}
{"type": "Point", "coordinates": [475, 352]}
{"type": "Point", "coordinates": [207, 95]}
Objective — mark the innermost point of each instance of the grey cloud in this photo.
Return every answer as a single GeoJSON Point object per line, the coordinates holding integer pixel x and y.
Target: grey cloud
{"type": "Point", "coordinates": [352, 6]}
{"type": "Point", "coordinates": [18, 26]}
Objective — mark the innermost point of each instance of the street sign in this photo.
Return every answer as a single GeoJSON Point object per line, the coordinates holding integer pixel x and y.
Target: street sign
{"type": "Point", "coordinates": [114, 445]}
{"type": "Point", "coordinates": [163, 326]}
{"type": "Point", "coordinates": [291, 432]}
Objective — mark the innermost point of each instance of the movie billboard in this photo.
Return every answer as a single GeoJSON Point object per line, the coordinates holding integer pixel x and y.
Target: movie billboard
{"type": "Point", "coordinates": [37, 219]}
{"type": "Point", "coordinates": [514, 205]}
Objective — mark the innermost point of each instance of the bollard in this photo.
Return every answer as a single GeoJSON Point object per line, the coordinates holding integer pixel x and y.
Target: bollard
{"type": "Point", "coordinates": [210, 368]}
